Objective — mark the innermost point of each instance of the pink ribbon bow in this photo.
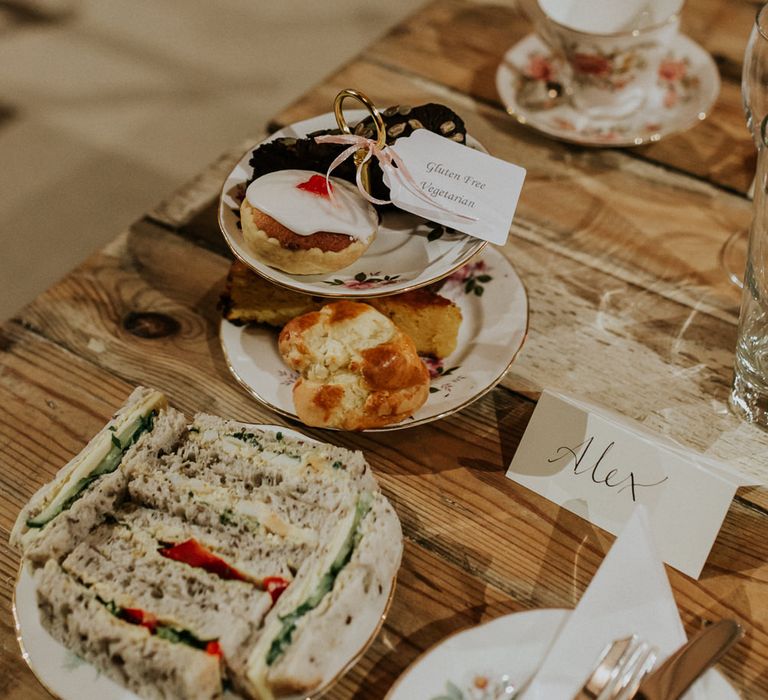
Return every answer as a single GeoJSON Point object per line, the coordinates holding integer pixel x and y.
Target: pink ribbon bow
{"type": "Point", "coordinates": [390, 163]}
{"type": "Point", "coordinates": [384, 155]}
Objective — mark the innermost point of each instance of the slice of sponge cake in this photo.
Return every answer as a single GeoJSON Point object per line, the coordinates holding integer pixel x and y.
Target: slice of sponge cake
{"type": "Point", "coordinates": [431, 320]}
{"type": "Point", "coordinates": [250, 298]}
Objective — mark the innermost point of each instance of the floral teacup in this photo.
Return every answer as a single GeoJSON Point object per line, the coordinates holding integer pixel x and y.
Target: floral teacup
{"type": "Point", "coordinates": [612, 48]}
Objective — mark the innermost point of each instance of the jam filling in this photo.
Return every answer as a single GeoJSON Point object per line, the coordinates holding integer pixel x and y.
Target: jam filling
{"type": "Point", "coordinates": [318, 185]}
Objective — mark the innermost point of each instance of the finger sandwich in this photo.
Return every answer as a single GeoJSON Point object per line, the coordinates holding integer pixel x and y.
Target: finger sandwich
{"type": "Point", "coordinates": [184, 558]}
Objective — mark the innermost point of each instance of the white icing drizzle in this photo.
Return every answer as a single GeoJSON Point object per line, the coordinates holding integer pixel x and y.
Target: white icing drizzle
{"type": "Point", "coordinates": [306, 213]}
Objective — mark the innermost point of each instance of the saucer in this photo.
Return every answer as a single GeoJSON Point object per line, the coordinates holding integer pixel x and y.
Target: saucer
{"type": "Point", "coordinates": [687, 86]}
{"type": "Point", "coordinates": [494, 309]}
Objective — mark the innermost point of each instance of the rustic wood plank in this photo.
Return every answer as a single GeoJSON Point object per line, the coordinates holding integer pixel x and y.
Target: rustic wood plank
{"type": "Point", "coordinates": [722, 28]}
{"type": "Point", "coordinates": [188, 201]}
{"type": "Point", "coordinates": [460, 44]}
{"type": "Point", "coordinates": [479, 543]}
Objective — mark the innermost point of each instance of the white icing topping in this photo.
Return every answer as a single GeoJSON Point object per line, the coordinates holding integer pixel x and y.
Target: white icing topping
{"type": "Point", "coordinates": [306, 213]}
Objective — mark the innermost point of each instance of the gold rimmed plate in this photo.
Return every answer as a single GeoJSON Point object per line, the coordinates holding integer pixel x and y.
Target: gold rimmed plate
{"type": "Point", "coordinates": [494, 308]}
{"type": "Point", "coordinates": [68, 677]}
{"type": "Point", "coordinates": [408, 251]}
{"type": "Point", "coordinates": [497, 659]}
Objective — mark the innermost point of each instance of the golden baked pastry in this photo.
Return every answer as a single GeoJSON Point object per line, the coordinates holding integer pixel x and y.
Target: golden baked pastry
{"type": "Point", "coordinates": [292, 222]}
{"type": "Point", "coordinates": [358, 369]}
{"type": "Point", "coordinates": [431, 320]}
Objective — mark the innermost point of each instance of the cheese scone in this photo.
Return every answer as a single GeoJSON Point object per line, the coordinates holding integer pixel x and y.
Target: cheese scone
{"type": "Point", "coordinates": [358, 369]}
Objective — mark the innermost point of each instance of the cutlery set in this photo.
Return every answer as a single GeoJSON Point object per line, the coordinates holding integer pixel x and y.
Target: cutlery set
{"type": "Point", "coordinates": [624, 670]}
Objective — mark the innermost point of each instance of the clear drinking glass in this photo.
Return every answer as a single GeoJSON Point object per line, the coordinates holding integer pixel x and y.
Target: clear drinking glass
{"type": "Point", "coordinates": [754, 94]}
{"type": "Point", "coordinates": [749, 395]}
{"type": "Point", "coordinates": [754, 76]}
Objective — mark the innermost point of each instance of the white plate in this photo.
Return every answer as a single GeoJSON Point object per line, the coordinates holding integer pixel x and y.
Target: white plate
{"type": "Point", "coordinates": [687, 87]}
{"type": "Point", "coordinates": [68, 677]}
{"type": "Point", "coordinates": [477, 663]}
{"type": "Point", "coordinates": [401, 257]}
{"type": "Point", "coordinates": [493, 329]}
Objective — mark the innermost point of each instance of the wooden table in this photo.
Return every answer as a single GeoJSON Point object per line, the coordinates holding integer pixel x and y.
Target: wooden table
{"type": "Point", "coordinates": [619, 252]}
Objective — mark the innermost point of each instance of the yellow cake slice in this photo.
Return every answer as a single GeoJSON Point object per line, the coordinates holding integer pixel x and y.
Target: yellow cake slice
{"type": "Point", "coordinates": [250, 298]}
{"type": "Point", "coordinates": [431, 320]}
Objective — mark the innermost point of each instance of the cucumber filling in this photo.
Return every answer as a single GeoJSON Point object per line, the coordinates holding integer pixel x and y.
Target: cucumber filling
{"type": "Point", "coordinates": [324, 586]}
{"type": "Point", "coordinates": [171, 634]}
{"type": "Point", "coordinates": [110, 462]}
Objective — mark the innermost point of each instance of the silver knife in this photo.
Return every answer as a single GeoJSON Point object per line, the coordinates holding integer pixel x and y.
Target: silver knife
{"type": "Point", "coordinates": [670, 680]}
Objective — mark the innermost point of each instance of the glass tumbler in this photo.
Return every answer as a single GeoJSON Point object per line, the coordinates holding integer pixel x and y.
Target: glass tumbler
{"type": "Point", "coordinates": [749, 394]}
{"type": "Point", "coordinates": [754, 93]}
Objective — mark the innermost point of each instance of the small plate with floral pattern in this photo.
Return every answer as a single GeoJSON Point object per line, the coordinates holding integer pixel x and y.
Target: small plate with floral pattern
{"type": "Point", "coordinates": [408, 251]}
{"type": "Point", "coordinates": [529, 81]}
{"type": "Point", "coordinates": [495, 660]}
{"type": "Point", "coordinates": [494, 308]}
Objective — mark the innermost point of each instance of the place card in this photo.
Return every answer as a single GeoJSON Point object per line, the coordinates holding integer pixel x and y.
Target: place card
{"type": "Point", "coordinates": [600, 465]}
{"type": "Point", "coordinates": [456, 186]}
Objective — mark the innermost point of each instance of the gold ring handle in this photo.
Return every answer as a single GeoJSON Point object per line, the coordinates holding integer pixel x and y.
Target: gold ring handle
{"type": "Point", "coordinates": [378, 120]}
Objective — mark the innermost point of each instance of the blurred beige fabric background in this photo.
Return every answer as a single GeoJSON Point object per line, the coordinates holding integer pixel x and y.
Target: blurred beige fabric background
{"type": "Point", "coordinates": [108, 105]}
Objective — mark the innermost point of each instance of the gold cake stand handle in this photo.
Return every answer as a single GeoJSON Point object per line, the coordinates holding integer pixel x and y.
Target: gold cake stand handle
{"type": "Point", "coordinates": [378, 120]}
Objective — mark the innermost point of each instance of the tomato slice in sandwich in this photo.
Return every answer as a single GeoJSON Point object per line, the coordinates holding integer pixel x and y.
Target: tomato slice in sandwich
{"type": "Point", "coordinates": [274, 585]}
{"type": "Point", "coordinates": [136, 616]}
{"type": "Point", "coordinates": [193, 553]}
{"type": "Point", "coordinates": [214, 648]}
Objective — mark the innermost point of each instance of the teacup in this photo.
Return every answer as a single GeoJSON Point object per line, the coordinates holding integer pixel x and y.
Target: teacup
{"type": "Point", "coordinates": [612, 48]}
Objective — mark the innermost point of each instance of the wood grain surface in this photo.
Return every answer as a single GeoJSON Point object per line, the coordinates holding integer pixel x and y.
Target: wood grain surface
{"type": "Point", "coordinates": [618, 250]}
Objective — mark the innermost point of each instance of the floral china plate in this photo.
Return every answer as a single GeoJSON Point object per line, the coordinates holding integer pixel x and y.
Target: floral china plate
{"type": "Point", "coordinates": [68, 677]}
{"type": "Point", "coordinates": [494, 307]}
{"type": "Point", "coordinates": [493, 661]}
{"type": "Point", "coordinates": [408, 252]}
{"type": "Point", "coordinates": [528, 81]}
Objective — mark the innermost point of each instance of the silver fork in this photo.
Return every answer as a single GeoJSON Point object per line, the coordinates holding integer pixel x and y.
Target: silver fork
{"type": "Point", "coordinates": [619, 670]}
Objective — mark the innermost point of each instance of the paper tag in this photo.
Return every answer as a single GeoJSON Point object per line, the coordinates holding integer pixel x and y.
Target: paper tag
{"type": "Point", "coordinates": [456, 186]}
{"type": "Point", "coordinates": [600, 466]}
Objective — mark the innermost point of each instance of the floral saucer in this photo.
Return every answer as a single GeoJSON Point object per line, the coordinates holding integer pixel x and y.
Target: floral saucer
{"type": "Point", "coordinates": [493, 661]}
{"type": "Point", "coordinates": [528, 82]}
{"type": "Point", "coordinates": [494, 308]}
{"type": "Point", "coordinates": [408, 252]}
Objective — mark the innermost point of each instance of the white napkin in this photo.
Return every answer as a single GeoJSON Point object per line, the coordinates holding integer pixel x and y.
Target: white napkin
{"type": "Point", "coordinates": [630, 594]}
